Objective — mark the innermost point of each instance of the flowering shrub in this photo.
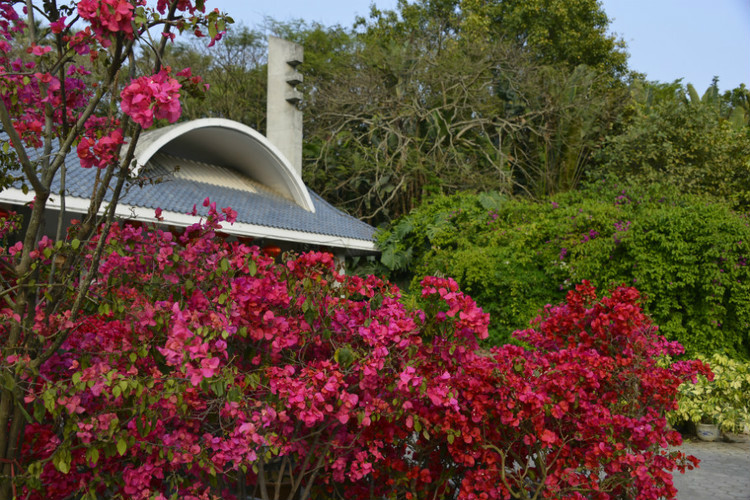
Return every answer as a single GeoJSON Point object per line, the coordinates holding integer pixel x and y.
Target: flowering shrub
{"type": "Point", "coordinates": [199, 365]}
{"type": "Point", "coordinates": [202, 369]}
{"type": "Point", "coordinates": [581, 414]}
{"type": "Point", "coordinates": [63, 88]}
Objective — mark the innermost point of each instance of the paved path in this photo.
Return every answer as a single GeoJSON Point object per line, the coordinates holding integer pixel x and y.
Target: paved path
{"type": "Point", "coordinates": [724, 472]}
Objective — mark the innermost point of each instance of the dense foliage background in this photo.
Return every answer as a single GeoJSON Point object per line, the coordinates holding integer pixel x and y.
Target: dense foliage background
{"type": "Point", "coordinates": [687, 254]}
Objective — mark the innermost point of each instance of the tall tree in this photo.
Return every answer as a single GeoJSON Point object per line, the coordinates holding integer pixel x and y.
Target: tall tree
{"type": "Point", "coordinates": [436, 99]}
{"type": "Point", "coordinates": [573, 32]}
{"type": "Point", "coordinates": [673, 134]}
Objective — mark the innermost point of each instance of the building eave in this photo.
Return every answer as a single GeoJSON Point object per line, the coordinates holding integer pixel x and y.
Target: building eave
{"type": "Point", "coordinates": [126, 211]}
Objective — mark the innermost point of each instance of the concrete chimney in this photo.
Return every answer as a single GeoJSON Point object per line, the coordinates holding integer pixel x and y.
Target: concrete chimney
{"type": "Point", "coordinates": [283, 116]}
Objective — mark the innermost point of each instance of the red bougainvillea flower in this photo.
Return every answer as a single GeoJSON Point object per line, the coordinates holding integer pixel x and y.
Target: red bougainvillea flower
{"type": "Point", "coordinates": [102, 152]}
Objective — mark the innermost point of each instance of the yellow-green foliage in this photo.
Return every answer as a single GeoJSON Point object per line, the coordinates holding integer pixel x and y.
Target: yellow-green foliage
{"type": "Point", "coordinates": [724, 400]}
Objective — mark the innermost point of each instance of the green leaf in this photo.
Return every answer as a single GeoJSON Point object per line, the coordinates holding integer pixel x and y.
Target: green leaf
{"type": "Point", "coordinates": [49, 400]}
{"type": "Point", "coordinates": [8, 381]}
{"type": "Point", "coordinates": [122, 446]}
{"type": "Point", "coordinates": [25, 413]}
{"type": "Point", "coordinates": [75, 244]}
{"type": "Point", "coordinates": [39, 412]}
{"type": "Point", "coordinates": [343, 356]}
{"type": "Point", "coordinates": [218, 388]}
{"type": "Point", "coordinates": [92, 455]}
{"type": "Point", "coordinates": [61, 460]}
{"type": "Point", "coordinates": [90, 495]}
{"type": "Point", "coordinates": [140, 427]}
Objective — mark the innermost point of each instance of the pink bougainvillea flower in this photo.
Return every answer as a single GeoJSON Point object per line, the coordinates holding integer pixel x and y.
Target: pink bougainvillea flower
{"type": "Point", "coordinates": [152, 97]}
{"type": "Point", "coordinates": [58, 26]}
{"type": "Point", "coordinates": [108, 16]}
{"type": "Point", "coordinates": [39, 50]}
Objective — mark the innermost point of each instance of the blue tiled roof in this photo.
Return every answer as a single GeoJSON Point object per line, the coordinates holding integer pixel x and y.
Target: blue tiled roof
{"type": "Point", "coordinates": [262, 208]}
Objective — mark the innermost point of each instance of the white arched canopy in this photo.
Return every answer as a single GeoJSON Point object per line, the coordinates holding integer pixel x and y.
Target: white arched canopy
{"type": "Point", "coordinates": [229, 144]}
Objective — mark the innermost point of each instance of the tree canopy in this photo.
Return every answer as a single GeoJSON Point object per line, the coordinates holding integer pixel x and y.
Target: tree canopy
{"type": "Point", "coordinates": [673, 135]}
{"type": "Point", "coordinates": [436, 97]}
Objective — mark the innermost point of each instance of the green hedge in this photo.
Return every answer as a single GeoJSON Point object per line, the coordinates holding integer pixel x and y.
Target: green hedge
{"type": "Point", "coordinates": [688, 256]}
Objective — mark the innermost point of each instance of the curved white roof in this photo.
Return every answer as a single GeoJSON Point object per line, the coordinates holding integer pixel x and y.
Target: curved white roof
{"type": "Point", "coordinates": [229, 144]}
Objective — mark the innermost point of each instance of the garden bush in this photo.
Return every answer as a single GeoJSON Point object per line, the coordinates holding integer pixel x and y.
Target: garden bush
{"type": "Point", "coordinates": [202, 369]}
{"type": "Point", "coordinates": [723, 399]}
{"type": "Point", "coordinates": [687, 255]}
{"type": "Point", "coordinates": [580, 414]}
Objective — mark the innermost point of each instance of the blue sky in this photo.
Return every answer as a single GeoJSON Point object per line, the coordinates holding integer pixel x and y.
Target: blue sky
{"type": "Point", "coordinates": [691, 39]}
{"type": "Point", "coordinates": [667, 39]}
